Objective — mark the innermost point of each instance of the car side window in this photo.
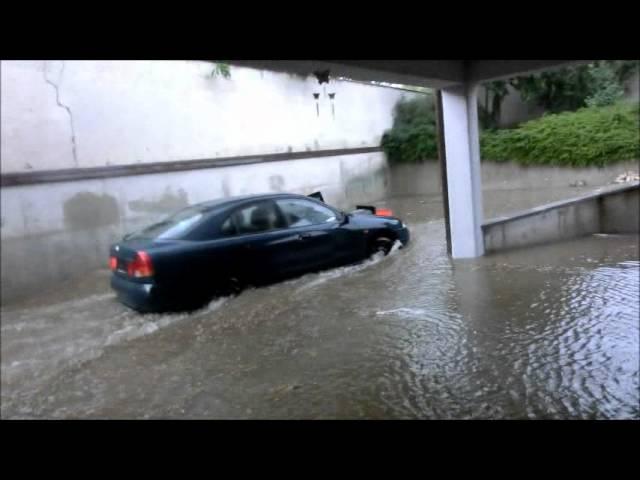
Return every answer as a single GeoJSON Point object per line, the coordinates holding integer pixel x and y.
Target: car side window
{"type": "Point", "coordinates": [300, 213]}
{"type": "Point", "coordinates": [228, 227]}
{"type": "Point", "coordinates": [256, 218]}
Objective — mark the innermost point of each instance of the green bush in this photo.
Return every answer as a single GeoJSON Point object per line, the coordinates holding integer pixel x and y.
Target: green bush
{"type": "Point", "coordinates": [608, 90]}
{"type": "Point", "coordinates": [413, 135]}
{"type": "Point", "coordinates": [593, 136]}
{"type": "Point", "coordinates": [220, 70]}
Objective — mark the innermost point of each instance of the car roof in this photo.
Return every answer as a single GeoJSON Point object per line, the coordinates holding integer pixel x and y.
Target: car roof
{"type": "Point", "coordinates": [228, 202]}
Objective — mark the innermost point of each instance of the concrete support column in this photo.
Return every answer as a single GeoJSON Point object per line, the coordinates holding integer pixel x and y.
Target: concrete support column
{"type": "Point", "coordinates": [459, 111]}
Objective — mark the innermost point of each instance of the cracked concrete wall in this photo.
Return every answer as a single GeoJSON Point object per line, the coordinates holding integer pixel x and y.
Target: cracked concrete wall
{"type": "Point", "coordinates": [83, 114]}
{"type": "Point", "coordinates": [35, 132]}
{"type": "Point", "coordinates": [56, 85]}
{"type": "Point", "coordinates": [65, 114]}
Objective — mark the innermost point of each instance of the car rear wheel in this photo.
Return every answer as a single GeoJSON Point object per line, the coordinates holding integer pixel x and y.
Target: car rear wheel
{"type": "Point", "coordinates": [232, 286]}
{"type": "Point", "coordinates": [235, 285]}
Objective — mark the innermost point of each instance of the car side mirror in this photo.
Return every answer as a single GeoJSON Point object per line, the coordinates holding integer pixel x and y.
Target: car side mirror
{"type": "Point", "coordinates": [345, 219]}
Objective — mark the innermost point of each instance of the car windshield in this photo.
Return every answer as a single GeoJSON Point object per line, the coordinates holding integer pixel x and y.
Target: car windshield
{"type": "Point", "coordinates": [174, 227]}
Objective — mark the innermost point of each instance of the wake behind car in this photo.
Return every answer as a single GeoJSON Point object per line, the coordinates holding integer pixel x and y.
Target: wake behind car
{"type": "Point", "coordinates": [221, 246]}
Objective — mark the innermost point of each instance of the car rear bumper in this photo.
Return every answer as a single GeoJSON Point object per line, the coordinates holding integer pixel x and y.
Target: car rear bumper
{"type": "Point", "coordinates": [139, 296]}
{"type": "Point", "coordinates": [151, 297]}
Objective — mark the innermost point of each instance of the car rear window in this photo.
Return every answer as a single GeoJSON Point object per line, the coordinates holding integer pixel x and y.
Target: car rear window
{"type": "Point", "coordinates": [175, 227]}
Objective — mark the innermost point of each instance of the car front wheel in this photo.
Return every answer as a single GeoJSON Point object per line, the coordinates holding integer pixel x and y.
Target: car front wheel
{"type": "Point", "coordinates": [381, 245]}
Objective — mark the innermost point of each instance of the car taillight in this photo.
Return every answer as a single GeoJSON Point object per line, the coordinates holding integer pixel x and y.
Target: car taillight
{"type": "Point", "coordinates": [384, 212]}
{"type": "Point", "coordinates": [140, 266]}
{"type": "Point", "coordinates": [113, 263]}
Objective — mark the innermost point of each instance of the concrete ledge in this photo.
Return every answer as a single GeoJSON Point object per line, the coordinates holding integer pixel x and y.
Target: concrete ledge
{"type": "Point", "coordinates": [611, 210]}
{"type": "Point", "coordinates": [74, 174]}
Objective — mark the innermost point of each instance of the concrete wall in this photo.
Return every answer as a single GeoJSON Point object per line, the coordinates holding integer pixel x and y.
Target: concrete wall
{"type": "Point", "coordinates": [615, 210]}
{"type": "Point", "coordinates": [68, 114]}
{"type": "Point", "coordinates": [513, 110]}
{"type": "Point", "coordinates": [76, 118]}
{"type": "Point", "coordinates": [507, 176]}
{"type": "Point", "coordinates": [632, 87]}
{"type": "Point", "coordinates": [53, 232]}
{"type": "Point", "coordinates": [426, 179]}
{"type": "Point", "coordinates": [620, 212]}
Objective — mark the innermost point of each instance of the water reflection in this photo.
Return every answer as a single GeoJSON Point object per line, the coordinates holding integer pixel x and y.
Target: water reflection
{"type": "Point", "coordinates": [550, 341]}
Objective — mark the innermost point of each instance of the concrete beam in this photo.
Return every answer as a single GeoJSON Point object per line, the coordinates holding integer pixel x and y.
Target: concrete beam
{"type": "Point", "coordinates": [437, 74]}
{"type": "Point", "coordinates": [487, 70]}
{"type": "Point", "coordinates": [422, 73]}
{"type": "Point", "coordinates": [462, 154]}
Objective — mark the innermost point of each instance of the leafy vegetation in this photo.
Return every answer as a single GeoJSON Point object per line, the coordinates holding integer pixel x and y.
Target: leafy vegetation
{"type": "Point", "coordinates": [413, 135]}
{"type": "Point", "coordinates": [221, 70]}
{"type": "Point", "coordinates": [607, 89]}
{"type": "Point", "coordinates": [593, 136]}
{"type": "Point", "coordinates": [596, 84]}
{"type": "Point", "coordinates": [586, 123]}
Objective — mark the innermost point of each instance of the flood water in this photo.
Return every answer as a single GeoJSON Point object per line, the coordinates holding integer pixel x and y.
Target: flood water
{"type": "Point", "coordinates": [549, 332]}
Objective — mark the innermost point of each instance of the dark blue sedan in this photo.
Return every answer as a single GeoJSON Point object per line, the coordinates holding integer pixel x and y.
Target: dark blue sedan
{"type": "Point", "coordinates": [219, 247]}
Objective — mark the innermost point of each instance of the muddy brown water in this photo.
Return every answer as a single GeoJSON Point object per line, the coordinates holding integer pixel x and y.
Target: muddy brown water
{"type": "Point", "coordinates": [548, 332]}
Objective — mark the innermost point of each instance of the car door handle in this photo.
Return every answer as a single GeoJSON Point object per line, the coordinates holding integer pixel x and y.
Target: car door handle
{"type": "Point", "coordinates": [305, 236]}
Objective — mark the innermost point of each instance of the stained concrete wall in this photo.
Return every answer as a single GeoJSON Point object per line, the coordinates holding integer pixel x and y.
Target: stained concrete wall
{"type": "Point", "coordinates": [613, 210]}
{"type": "Point", "coordinates": [60, 116]}
{"type": "Point", "coordinates": [54, 232]}
{"type": "Point", "coordinates": [68, 114]}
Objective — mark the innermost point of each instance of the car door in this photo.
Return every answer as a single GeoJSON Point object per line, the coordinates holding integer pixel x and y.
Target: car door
{"type": "Point", "coordinates": [263, 242]}
{"type": "Point", "coordinates": [317, 228]}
